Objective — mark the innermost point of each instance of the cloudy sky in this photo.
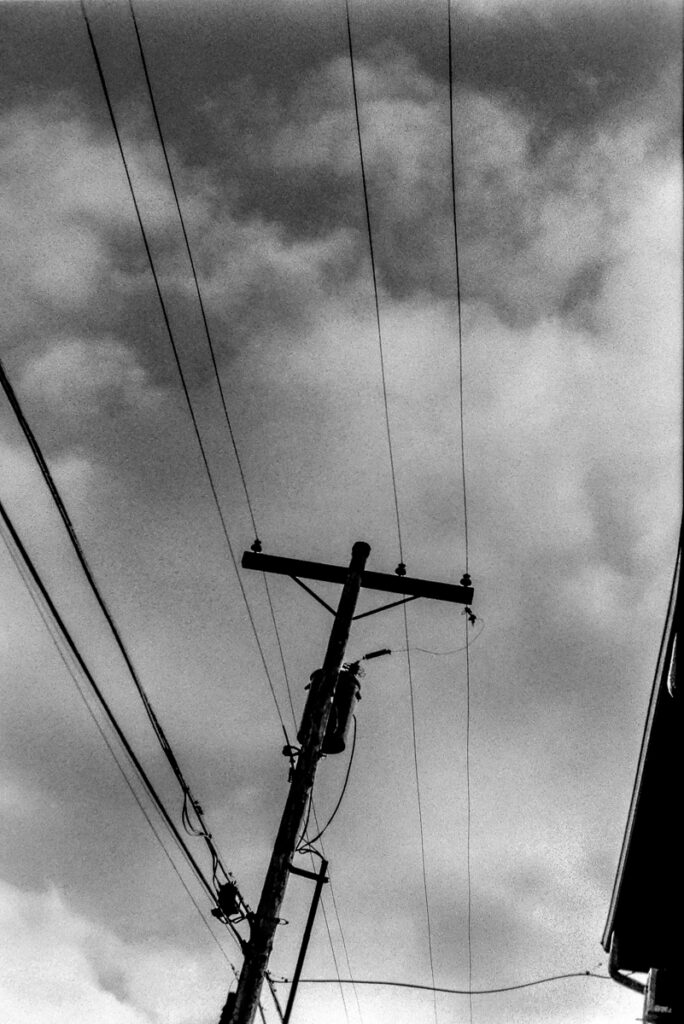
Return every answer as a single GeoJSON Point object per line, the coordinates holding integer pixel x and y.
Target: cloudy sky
{"type": "Point", "coordinates": [568, 178]}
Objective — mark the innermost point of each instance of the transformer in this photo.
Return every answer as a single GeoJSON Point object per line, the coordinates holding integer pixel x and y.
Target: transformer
{"type": "Point", "coordinates": [347, 695]}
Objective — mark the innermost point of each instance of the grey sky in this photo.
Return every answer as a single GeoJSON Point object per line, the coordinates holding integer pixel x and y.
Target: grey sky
{"type": "Point", "coordinates": [569, 198]}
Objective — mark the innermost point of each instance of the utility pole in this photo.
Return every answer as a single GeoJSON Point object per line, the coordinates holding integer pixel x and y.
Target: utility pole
{"type": "Point", "coordinates": [241, 1008]}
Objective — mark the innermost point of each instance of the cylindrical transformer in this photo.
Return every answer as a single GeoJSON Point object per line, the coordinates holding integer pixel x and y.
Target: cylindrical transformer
{"type": "Point", "coordinates": [347, 695]}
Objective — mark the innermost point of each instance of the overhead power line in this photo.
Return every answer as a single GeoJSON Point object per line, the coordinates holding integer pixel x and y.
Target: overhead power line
{"type": "Point", "coordinates": [208, 336]}
{"type": "Point", "coordinates": [55, 638]}
{"type": "Point", "coordinates": [401, 568]}
{"type": "Point", "coordinates": [452, 146]}
{"type": "Point", "coordinates": [456, 991]}
{"type": "Point", "coordinates": [350, 980]}
{"type": "Point", "coordinates": [459, 320]}
{"type": "Point", "coordinates": [38, 583]}
{"type": "Point", "coordinates": [226, 415]}
{"type": "Point", "coordinates": [191, 260]}
{"type": "Point", "coordinates": [207, 331]}
{"type": "Point", "coordinates": [420, 809]}
{"type": "Point", "coordinates": [179, 367]}
{"type": "Point", "coordinates": [188, 797]}
{"type": "Point", "coordinates": [369, 231]}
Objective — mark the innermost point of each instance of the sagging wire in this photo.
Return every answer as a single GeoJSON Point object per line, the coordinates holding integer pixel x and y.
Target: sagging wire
{"type": "Point", "coordinates": [308, 843]}
{"type": "Point", "coordinates": [55, 493]}
{"type": "Point", "coordinates": [472, 618]}
{"type": "Point", "coordinates": [443, 654]}
{"type": "Point", "coordinates": [456, 991]}
{"type": "Point", "coordinates": [56, 629]}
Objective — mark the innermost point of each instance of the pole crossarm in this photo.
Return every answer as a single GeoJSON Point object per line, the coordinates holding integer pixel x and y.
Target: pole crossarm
{"type": "Point", "coordinates": [405, 585]}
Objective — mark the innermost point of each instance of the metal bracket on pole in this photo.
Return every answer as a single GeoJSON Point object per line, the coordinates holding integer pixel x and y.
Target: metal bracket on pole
{"type": "Point", "coordinates": [321, 879]}
{"type": "Point", "coordinates": [384, 607]}
{"type": "Point", "coordinates": [313, 593]}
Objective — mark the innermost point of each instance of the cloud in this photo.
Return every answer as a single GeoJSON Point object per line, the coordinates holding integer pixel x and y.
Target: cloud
{"type": "Point", "coordinates": [537, 224]}
{"type": "Point", "coordinates": [79, 378]}
{"type": "Point", "coordinates": [60, 968]}
{"type": "Point", "coordinates": [568, 198]}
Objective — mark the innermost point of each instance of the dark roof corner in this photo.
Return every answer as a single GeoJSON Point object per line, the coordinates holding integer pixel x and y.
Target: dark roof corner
{"type": "Point", "coordinates": [643, 930]}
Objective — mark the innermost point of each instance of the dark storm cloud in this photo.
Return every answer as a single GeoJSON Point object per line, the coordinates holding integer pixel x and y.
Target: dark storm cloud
{"type": "Point", "coordinates": [266, 133]}
{"type": "Point", "coordinates": [572, 65]}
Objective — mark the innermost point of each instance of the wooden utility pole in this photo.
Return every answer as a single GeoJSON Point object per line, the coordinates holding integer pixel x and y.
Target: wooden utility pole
{"type": "Point", "coordinates": [312, 732]}
{"type": "Point", "coordinates": [241, 1008]}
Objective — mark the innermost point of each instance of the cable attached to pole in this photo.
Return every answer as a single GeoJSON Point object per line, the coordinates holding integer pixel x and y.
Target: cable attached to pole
{"type": "Point", "coordinates": [309, 842]}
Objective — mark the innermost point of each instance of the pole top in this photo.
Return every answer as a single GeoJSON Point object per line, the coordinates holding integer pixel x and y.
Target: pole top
{"type": "Point", "coordinates": [361, 549]}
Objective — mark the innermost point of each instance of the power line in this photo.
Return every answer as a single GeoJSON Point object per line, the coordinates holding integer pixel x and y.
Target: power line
{"type": "Point", "coordinates": [224, 405]}
{"type": "Point", "coordinates": [401, 569]}
{"type": "Point", "coordinates": [191, 260]}
{"type": "Point", "coordinates": [308, 848]}
{"type": "Point", "coordinates": [76, 654]}
{"type": "Point", "coordinates": [188, 797]}
{"type": "Point", "coordinates": [420, 808]}
{"type": "Point", "coordinates": [458, 280]}
{"type": "Point", "coordinates": [179, 367]}
{"type": "Point", "coordinates": [338, 977]}
{"type": "Point", "coordinates": [233, 440]}
{"type": "Point", "coordinates": [452, 154]}
{"type": "Point", "coordinates": [351, 980]}
{"type": "Point", "coordinates": [443, 654]}
{"type": "Point", "coordinates": [457, 991]}
{"type": "Point", "coordinates": [375, 280]}
{"type": "Point", "coordinates": [207, 331]}
{"type": "Point", "coordinates": [54, 636]}
{"type": "Point", "coordinates": [310, 842]}
{"type": "Point", "coordinates": [468, 824]}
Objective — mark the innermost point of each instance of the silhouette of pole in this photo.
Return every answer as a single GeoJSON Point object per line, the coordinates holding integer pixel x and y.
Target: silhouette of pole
{"type": "Point", "coordinates": [242, 1009]}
